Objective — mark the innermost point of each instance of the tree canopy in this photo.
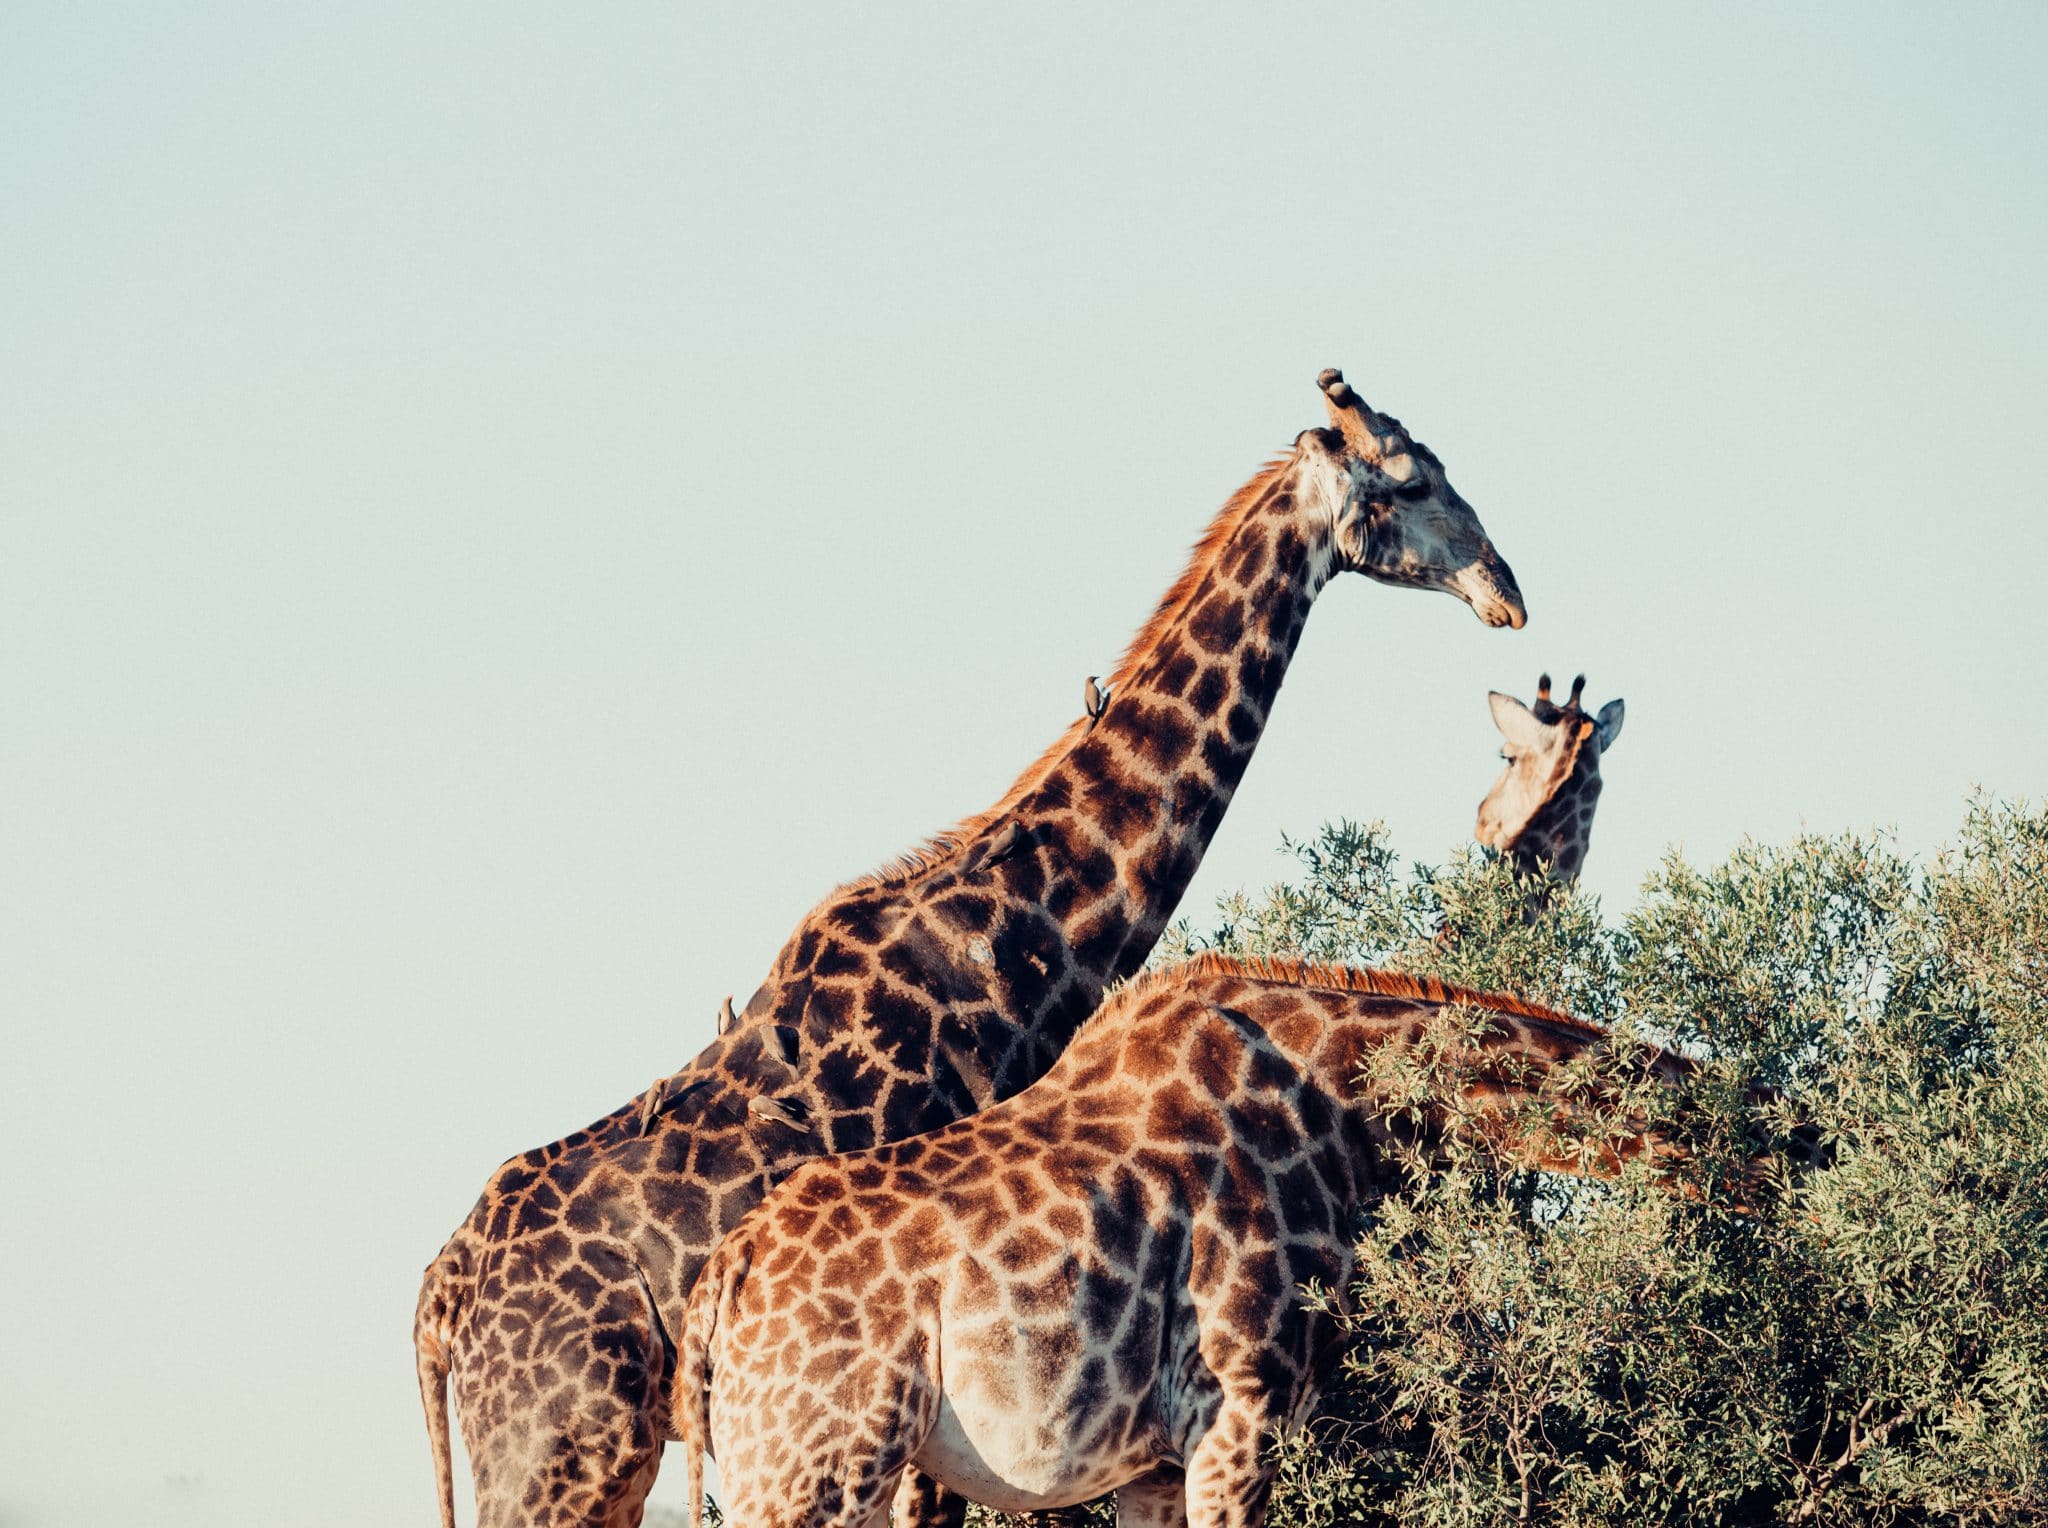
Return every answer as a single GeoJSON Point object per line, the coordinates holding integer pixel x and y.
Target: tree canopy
{"type": "Point", "coordinates": [1725, 1339]}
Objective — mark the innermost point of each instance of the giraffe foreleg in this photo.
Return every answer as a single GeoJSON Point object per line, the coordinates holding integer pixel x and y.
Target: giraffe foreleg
{"type": "Point", "coordinates": [1228, 1479]}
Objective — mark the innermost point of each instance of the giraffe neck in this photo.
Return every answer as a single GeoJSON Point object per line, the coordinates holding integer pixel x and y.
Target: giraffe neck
{"type": "Point", "coordinates": [1560, 831]}
{"type": "Point", "coordinates": [1324, 1024]}
{"type": "Point", "coordinates": [1132, 805]}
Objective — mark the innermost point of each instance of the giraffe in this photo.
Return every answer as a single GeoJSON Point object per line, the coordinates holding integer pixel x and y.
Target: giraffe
{"type": "Point", "coordinates": [1540, 811]}
{"type": "Point", "coordinates": [1096, 1284]}
{"type": "Point", "coordinates": [913, 996]}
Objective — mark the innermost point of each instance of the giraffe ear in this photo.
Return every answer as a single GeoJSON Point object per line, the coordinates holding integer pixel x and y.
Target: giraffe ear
{"type": "Point", "coordinates": [1608, 724]}
{"type": "Point", "coordinates": [1516, 721]}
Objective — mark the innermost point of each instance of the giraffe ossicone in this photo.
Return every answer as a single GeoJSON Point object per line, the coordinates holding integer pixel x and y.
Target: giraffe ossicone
{"type": "Point", "coordinates": [1099, 1283]}
{"type": "Point", "coordinates": [917, 995]}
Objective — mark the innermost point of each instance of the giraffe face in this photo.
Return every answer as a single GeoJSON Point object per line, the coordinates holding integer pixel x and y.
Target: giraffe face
{"type": "Point", "coordinates": [1553, 768]}
{"type": "Point", "coordinates": [1399, 520]}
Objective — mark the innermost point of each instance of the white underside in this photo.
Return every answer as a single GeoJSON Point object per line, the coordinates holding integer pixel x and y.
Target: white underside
{"type": "Point", "coordinates": [993, 1458]}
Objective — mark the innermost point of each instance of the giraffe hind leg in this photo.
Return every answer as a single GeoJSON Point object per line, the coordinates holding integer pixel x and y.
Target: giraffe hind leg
{"type": "Point", "coordinates": [845, 1468]}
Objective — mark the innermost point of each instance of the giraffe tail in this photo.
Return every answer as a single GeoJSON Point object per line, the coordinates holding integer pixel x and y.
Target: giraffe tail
{"type": "Point", "coordinates": [689, 1402]}
{"type": "Point", "coordinates": [443, 1293]}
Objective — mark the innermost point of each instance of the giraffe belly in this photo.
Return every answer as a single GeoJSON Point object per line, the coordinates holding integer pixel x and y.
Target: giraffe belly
{"type": "Point", "coordinates": [1016, 1461]}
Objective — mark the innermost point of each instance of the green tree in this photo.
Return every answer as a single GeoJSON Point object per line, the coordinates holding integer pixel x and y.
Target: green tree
{"type": "Point", "coordinates": [1867, 1343]}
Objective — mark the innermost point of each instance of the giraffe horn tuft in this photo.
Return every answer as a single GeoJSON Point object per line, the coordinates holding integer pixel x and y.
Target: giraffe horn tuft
{"type": "Point", "coordinates": [1578, 689]}
{"type": "Point", "coordinates": [1543, 687]}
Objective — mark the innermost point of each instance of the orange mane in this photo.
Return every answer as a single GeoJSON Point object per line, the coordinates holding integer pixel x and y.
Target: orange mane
{"type": "Point", "coordinates": [915, 861]}
{"type": "Point", "coordinates": [1305, 973]}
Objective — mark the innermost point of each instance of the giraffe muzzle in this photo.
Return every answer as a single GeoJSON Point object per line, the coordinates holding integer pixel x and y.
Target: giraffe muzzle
{"type": "Point", "coordinates": [1488, 585]}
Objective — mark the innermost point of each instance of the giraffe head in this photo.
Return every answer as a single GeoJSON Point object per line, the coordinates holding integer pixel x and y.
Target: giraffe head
{"type": "Point", "coordinates": [1398, 519]}
{"type": "Point", "coordinates": [1540, 810]}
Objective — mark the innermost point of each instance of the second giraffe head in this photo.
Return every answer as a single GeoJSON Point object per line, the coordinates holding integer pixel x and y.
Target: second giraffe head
{"type": "Point", "coordinates": [1540, 810]}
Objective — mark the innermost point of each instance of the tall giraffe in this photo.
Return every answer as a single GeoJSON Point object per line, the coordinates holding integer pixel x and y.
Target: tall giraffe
{"type": "Point", "coordinates": [1096, 1284]}
{"type": "Point", "coordinates": [912, 997]}
{"type": "Point", "coordinates": [1540, 811]}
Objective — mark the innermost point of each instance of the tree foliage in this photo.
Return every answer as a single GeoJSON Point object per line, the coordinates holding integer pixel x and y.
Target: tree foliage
{"type": "Point", "coordinates": [1866, 1343]}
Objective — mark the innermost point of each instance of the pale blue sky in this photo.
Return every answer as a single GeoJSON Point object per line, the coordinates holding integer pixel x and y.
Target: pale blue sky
{"type": "Point", "coordinates": [504, 506]}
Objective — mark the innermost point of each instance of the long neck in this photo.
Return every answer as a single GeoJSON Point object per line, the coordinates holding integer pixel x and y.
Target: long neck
{"type": "Point", "coordinates": [1489, 1091]}
{"type": "Point", "coordinates": [1131, 807]}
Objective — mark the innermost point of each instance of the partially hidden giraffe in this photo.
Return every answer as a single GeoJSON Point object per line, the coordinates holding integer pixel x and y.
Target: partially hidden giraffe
{"type": "Point", "coordinates": [1540, 811]}
{"type": "Point", "coordinates": [912, 997]}
{"type": "Point", "coordinates": [1097, 1284]}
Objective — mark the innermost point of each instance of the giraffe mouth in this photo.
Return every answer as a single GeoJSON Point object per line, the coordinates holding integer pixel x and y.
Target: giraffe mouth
{"type": "Point", "coordinates": [1488, 586]}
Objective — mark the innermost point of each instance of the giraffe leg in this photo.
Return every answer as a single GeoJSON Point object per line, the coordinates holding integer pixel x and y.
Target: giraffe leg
{"type": "Point", "coordinates": [922, 1502]}
{"type": "Point", "coordinates": [788, 1461]}
{"type": "Point", "coordinates": [1228, 1479]}
{"type": "Point", "coordinates": [839, 1492]}
{"type": "Point", "coordinates": [1159, 1500]}
{"type": "Point", "coordinates": [628, 1487]}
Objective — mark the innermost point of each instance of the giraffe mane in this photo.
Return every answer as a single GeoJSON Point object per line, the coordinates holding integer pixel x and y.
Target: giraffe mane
{"type": "Point", "coordinates": [1201, 558]}
{"type": "Point", "coordinates": [915, 861]}
{"type": "Point", "coordinates": [1335, 978]}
